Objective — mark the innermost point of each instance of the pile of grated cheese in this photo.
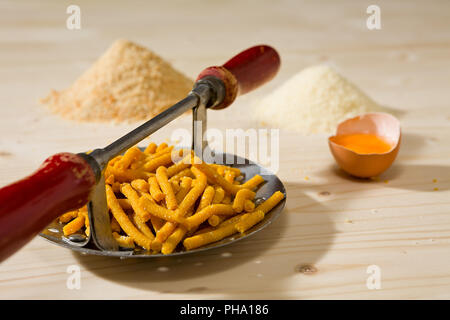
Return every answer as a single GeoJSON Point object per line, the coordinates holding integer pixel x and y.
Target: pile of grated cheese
{"type": "Point", "coordinates": [127, 83]}
{"type": "Point", "coordinates": [314, 100]}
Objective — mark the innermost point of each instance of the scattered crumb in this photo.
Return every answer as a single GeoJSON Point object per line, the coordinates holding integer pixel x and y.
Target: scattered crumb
{"type": "Point", "coordinates": [386, 181]}
{"type": "Point", "coordinates": [375, 178]}
{"type": "Point", "coordinates": [324, 193]}
{"type": "Point", "coordinates": [305, 269]}
{"type": "Point", "coordinates": [349, 221]}
{"type": "Point", "coordinates": [197, 289]}
{"type": "Point", "coordinates": [163, 269]}
{"type": "Point", "coordinates": [5, 154]}
{"type": "Point", "coordinates": [306, 178]}
{"type": "Point", "coordinates": [436, 189]}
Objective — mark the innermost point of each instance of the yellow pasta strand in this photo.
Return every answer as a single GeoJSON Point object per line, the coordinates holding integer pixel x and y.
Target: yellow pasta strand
{"type": "Point", "coordinates": [66, 217]}
{"type": "Point", "coordinates": [163, 160]}
{"type": "Point", "coordinates": [125, 204]}
{"type": "Point", "coordinates": [140, 185]}
{"type": "Point", "coordinates": [133, 197]}
{"type": "Point", "coordinates": [209, 237]}
{"type": "Point", "coordinates": [231, 220]}
{"type": "Point", "coordinates": [178, 234]}
{"type": "Point", "coordinates": [156, 222]}
{"type": "Point", "coordinates": [175, 185]}
{"type": "Point", "coordinates": [249, 206]}
{"type": "Point", "coordinates": [166, 187]}
{"type": "Point", "coordinates": [173, 240]}
{"type": "Point", "coordinates": [115, 227]}
{"type": "Point", "coordinates": [229, 176]}
{"type": "Point", "coordinates": [241, 196]}
{"type": "Point", "coordinates": [253, 182]}
{"type": "Point", "coordinates": [248, 220]}
{"type": "Point", "coordinates": [216, 178]}
{"type": "Point", "coordinates": [161, 147]}
{"type": "Point", "coordinates": [151, 148]}
{"type": "Point", "coordinates": [165, 231]}
{"type": "Point", "coordinates": [185, 163]}
{"type": "Point", "coordinates": [116, 187]}
{"type": "Point", "coordinates": [110, 179]}
{"type": "Point", "coordinates": [131, 155]}
{"type": "Point", "coordinates": [185, 186]}
{"type": "Point", "coordinates": [204, 214]}
{"type": "Point", "coordinates": [126, 175]}
{"type": "Point", "coordinates": [219, 195]}
{"type": "Point", "coordinates": [125, 223]}
{"type": "Point", "coordinates": [123, 241]}
{"type": "Point", "coordinates": [194, 193]}
{"type": "Point", "coordinates": [207, 198]}
{"type": "Point", "coordinates": [115, 160]}
{"type": "Point", "coordinates": [215, 220]}
{"type": "Point", "coordinates": [204, 229]}
{"type": "Point", "coordinates": [226, 199]}
{"type": "Point", "coordinates": [188, 202]}
{"type": "Point", "coordinates": [270, 203]}
{"type": "Point", "coordinates": [142, 226]}
{"type": "Point", "coordinates": [74, 225]}
{"type": "Point", "coordinates": [183, 173]}
{"type": "Point", "coordinates": [155, 190]}
{"type": "Point", "coordinates": [236, 171]}
{"type": "Point", "coordinates": [84, 213]}
{"type": "Point", "coordinates": [153, 209]}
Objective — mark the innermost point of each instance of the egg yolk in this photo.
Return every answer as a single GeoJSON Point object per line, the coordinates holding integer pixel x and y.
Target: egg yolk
{"type": "Point", "coordinates": [363, 143]}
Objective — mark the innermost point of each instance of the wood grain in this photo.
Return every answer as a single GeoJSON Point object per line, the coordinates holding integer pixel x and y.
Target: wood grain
{"type": "Point", "coordinates": [334, 227]}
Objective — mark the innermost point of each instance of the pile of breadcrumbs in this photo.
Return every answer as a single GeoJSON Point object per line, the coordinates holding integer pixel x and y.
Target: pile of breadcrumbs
{"type": "Point", "coordinates": [127, 83]}
{"type": "Point", "coordinates": [314, 100]}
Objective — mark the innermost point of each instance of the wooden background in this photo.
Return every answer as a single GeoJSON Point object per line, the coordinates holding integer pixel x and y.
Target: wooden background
{"type": "Point", "coordinates": [321, 246]}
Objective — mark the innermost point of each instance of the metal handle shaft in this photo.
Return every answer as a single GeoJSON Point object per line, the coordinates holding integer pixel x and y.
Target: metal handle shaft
{"type": "Point", "coordinates": [102, 156]}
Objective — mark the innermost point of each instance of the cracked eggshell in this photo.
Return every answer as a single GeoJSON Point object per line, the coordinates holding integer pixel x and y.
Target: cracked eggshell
{"type": "Point", "coordinates": [381, 124]}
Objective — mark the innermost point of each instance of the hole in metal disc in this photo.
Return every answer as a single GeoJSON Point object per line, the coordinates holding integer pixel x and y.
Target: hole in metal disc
{"type": "Point", "coordinates": [258, 201]}
{"type": "Point", "coordinates": [77, 238]}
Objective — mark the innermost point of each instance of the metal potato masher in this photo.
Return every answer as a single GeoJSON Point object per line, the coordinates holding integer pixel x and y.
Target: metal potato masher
{"type": "Point", "coordinates": [67, 181]}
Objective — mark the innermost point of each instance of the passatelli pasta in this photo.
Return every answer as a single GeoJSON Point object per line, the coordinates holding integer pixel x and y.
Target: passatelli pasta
{"type": "Point", "coordinates": [163, 200]}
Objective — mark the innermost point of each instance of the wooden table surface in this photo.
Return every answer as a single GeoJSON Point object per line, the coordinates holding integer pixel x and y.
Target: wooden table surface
{"type": "Point", "coordinates": [321, 246]}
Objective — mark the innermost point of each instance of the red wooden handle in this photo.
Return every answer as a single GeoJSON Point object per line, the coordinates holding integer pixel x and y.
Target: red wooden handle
{"type": "Point", "coordinates": [62, 183]}
{"type": "Point", "coordinates": [245, 72]}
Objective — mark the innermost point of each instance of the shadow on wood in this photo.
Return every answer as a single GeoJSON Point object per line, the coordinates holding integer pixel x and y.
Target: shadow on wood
{"type": "Point", "coordinates": [307, 230]}
{"type": "Point", "coordinates": [428, 178]}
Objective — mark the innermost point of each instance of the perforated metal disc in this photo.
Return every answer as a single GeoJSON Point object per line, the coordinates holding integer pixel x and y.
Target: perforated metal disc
{"type": "Point", "coordinates": [54, 234]}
